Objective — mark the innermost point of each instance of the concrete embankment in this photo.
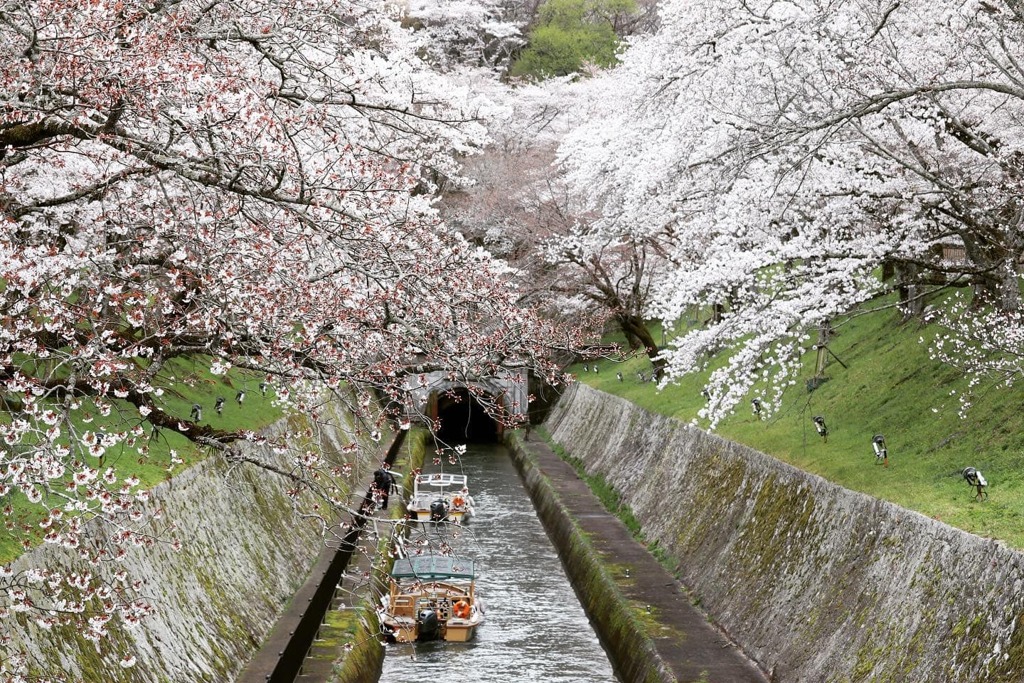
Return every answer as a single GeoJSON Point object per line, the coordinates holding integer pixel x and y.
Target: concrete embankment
{"type": "Point", "coordinates": [245, 554]}
{"type": "Point", "coordinates": [306, 644]}
{"type": "Point", "coordinates": [645, 620]}
{"type": "Point", "coordinates": [816, 582]}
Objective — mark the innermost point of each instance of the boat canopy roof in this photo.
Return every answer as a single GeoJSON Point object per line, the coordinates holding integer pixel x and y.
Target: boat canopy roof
{"type": "Point", "coordinates": [440, 480]}
{"type": "Point", "coordinates": [428, 567]}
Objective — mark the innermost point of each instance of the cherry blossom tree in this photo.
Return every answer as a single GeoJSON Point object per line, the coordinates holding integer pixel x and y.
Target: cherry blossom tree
{"type": "Point", "coordinates": [482, 33]}
{"type": "Point", "coordinates": [245, 183]}
{"type": "Point", "coordinates": [792, 151]}
{"type": "Point", "coordinates": [520, 208]}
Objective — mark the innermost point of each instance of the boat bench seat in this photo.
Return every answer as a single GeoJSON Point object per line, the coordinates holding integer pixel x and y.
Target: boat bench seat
{"type": "Point", "coordinates": [404, 607]}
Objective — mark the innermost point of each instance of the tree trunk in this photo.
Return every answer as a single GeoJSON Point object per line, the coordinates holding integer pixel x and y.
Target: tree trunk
{"type": "Point", "coordinates": [824, 336]}
{"type": "Point", "coordinates": [910, 290]}
{"type": "Point", "coordinates": [638, 335]}
{"type": "Point", "coordinates": [995, 282]}
{"type": "Point", "coordinates": [1009, 278]}
{"type": "Point", "coordinates": [1009, 290]}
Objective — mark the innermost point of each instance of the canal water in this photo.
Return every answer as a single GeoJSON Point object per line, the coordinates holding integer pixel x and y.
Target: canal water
{"type": "Point", "coordinates": [536, 629]}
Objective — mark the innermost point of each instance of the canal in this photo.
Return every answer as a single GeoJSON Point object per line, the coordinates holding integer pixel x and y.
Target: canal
{"type": "Point", "coordinates": [536, 629]}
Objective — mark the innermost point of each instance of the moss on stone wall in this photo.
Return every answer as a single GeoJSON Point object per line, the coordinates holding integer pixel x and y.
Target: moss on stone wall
{"type": "Point", "coordinates": [360, 656]}
{"type": "Point", "coordinates": [364, 654]}
{"type": "Point", "coordinates": [816, 582]}
{"type": "Point", "coordinates": [245, 552]}
{"type": "Point", "coordinates": [1008, 664]}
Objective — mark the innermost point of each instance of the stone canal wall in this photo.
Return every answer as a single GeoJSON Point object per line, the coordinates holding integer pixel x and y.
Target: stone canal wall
{"type": "Point", "coordinates": [816, 582]}
{"type": "Point", "coordinates": [245, 554]}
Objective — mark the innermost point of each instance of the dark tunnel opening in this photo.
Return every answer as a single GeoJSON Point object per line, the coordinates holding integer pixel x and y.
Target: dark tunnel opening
{"type": "Point", "coordinates": [463, 419]}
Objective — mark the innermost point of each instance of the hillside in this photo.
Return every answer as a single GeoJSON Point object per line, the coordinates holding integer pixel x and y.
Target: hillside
{"type": "Point", "coordinates": [888, 386]}
{"type": "Point", "coordinates": [135, 449]}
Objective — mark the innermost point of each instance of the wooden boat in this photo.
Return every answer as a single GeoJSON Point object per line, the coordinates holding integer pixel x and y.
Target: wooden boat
{"type": "Point", "coordinates": [432, 597]}
{"type": "Point", "coordinates": [439, 496]}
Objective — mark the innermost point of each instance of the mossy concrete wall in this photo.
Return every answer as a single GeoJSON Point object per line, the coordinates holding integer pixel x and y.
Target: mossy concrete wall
{"type": "Point", "coordinates": [816, 582]}
{"type": "Point", "coordinates": [245, 553]}
{"type": "Point", "coordinates": [364, 661]}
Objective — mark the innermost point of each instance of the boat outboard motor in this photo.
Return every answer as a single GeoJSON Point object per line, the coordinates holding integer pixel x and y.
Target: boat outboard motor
{"type": "Point", "coordinates": [428, 624]}
{"type": "Point", "coordinates": [438, 510]}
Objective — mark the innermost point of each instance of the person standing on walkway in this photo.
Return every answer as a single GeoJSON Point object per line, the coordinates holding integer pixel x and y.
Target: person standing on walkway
{"type": "Point", "coordinates": [383, 482]}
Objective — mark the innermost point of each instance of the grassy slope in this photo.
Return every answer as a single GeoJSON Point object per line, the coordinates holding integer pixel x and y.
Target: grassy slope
{"type": "Point", "coordinates": [890, 387]}
{"type": "Point", "coordinates": [185, 382]}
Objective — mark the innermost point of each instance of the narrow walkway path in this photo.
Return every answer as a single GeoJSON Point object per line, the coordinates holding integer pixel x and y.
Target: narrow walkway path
{"type": "Point", "coordinates": [692, 648]}
{"type": "Point", "coordinates": [318, 666]}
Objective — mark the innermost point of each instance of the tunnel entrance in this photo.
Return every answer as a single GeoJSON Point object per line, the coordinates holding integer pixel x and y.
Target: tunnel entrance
{"type": "Point", "coordinates": [463, 420]}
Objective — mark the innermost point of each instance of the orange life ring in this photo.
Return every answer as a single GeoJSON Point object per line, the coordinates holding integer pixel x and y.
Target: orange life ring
{"type": "Point", "coordinates": [461, 609]}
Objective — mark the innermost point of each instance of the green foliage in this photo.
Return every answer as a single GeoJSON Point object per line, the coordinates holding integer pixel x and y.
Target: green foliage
{"type": "Point", "coordinates": [571, 33]}
{"type": "Point", "coordinates": [890, 386]}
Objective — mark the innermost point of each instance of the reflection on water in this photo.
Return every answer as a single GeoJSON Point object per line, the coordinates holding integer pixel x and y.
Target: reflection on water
{"type": "Point", "coordinates": [535, 628]}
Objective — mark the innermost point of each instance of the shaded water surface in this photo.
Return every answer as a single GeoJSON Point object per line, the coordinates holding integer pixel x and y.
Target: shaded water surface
{"type": "Point", "coordinates": [535, 628]}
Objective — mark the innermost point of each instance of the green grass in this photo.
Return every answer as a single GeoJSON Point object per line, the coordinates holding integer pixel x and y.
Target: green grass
{"type": "Point", "coordinates": [149, 457]}
{"type": "Point", "coordinates": [889, 386]}
{"type": "Point", "coordinates": [189, 381]}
